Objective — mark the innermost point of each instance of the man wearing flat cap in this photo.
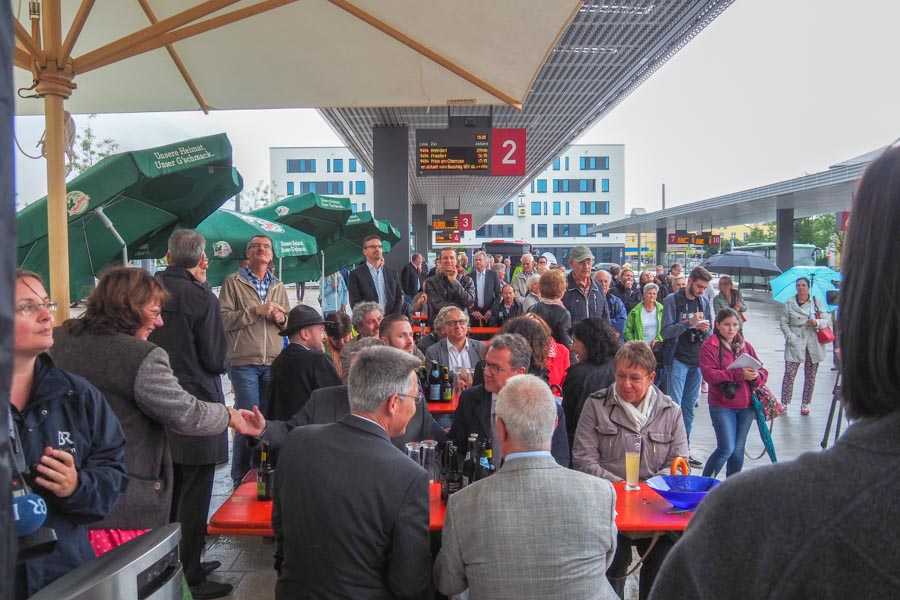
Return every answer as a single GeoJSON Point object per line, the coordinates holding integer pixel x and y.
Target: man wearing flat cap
{"type": "Point", "coordinates": [301, 367]}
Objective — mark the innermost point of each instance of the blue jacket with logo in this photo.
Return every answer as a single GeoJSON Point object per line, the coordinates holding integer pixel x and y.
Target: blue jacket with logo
{"type": "Point", "coordinates": [66, 412]}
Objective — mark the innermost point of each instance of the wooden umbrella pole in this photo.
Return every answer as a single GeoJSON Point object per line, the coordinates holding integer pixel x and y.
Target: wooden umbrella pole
{"type": "Point", "coordinates": [55, 85]}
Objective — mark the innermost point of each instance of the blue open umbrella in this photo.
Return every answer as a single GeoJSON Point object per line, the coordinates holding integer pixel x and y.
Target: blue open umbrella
{"type": "Point", "coordinates": [821, 280]}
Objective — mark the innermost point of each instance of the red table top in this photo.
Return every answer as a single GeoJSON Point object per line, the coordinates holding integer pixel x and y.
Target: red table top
{"type": "Point", "coordinates": [642, 511]}
{"type": "Point", "coordinates": [472, 330]}
{"type": "Point", "coordinates": [645, 511]}
{"type": "Point", "coordinates": [443, 408]}
{"type": "Point", "coordinates": [243, 514]}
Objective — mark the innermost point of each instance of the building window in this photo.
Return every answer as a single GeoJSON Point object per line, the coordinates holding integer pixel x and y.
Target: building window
{"type": "Point", "coordinates": [290, 188]}
{"type": "Point", "coordinates": [541, 186]}
{"type": "Point", "coordinates": [583, 229]}
{"type": "Point", "coordinates": [360, 187]}
{"type": "Point", "coordinates": [563, 186]}
{"type": "Point", "coordinates": [567, 163]}
{"type": "Point", "coordinates": [322, 187]}
{"type": "Point", "coordinates": [301, 165]}
{"type": "Point", "coordinates": [362, 168]}
{"type": "Point", "coordinates": [557, 208]}
{"type": "Point", "coordinates": [494, 231]}
{"type": "Point", "coordinates": [604, 185]}
{"type": "Point", "coordinates": [351, 165]}
{"type": "Point", "coordinates": [593, 163]}
{"type": "Point", "coordinates": [337, 165]}
{"type": "Point", "coordinates": [532, 230]}
{"type": "Point", "coordinates": [545, 209]}
{"type": "Point", "coordinates": [567, 207]}
{"type": "Point", "coordinates": [506, 210]}
{"type": "Point", "coordinates": [353, 208]}
{"type": "Point", "coordinates": [536, 208]}
{"type": "Point", "coordinates": [364, 207]}
{"type": "Point", "coordinates": [595, 207]}
{"type": "Point", "coordinates": [542, 230]}
{"type": "Point", "coordinates": [328, 165]}
{"type": "Point", "coordinates": [556, 164]}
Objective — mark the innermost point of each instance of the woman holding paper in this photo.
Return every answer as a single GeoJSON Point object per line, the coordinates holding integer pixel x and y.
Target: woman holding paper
{"type": "Point", "coordinates": [730, 388]}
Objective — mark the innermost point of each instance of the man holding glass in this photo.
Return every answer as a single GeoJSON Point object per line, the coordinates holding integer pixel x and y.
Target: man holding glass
{"type": "Point", "coordinates": [632, 415]}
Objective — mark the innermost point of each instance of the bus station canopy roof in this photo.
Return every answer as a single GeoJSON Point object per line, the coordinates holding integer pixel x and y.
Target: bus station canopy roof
{"type": "Point", "coordinates": [818, 193]}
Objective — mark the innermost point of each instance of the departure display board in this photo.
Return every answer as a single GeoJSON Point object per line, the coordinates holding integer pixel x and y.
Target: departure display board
{"type": "Point", "coordinates": [456, 151]}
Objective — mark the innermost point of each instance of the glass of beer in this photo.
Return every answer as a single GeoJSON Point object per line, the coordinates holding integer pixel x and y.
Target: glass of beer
{"type": "Point", "coordinates": [632, 463]}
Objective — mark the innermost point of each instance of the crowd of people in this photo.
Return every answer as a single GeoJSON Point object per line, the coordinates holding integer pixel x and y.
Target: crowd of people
{"type": "Point", "coordinates": [121, 420]}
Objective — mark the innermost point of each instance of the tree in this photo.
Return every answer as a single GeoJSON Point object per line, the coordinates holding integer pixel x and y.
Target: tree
{"type": "Point", "coordinates": [761, 234]}
{"type": "Point", "coordinates": [89, 149]}
{"type": "Point", "coordinates": [820, 231]}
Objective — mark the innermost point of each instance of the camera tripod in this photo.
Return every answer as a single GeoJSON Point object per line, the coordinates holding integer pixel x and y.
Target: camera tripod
{"type": "Point", "coordinates": [837, 406]}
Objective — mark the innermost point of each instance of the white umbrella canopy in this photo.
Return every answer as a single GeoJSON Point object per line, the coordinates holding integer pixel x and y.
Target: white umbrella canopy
{"type": "Point", "coordinates": [314, 53]}
{"type": "Point", "coordinates": [112, 56]}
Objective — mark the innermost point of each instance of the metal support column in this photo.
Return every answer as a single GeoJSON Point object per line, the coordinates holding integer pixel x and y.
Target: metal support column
{"type": "Point", "coordinates": [662, 239]}
{"type": "Point", "coordinates": [784, 238]}
{"type": "Point", "coordinates": [391, 182]}
{"type": "Point", "coordinates": [420, 228]}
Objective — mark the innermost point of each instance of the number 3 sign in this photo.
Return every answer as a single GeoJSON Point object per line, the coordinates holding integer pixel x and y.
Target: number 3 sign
{"type": "Point", "coordinates": [507, 152]}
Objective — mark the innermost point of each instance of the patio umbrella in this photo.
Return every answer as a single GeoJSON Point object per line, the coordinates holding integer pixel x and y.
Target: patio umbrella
{"type": "Point", "coordinates": [227, 233]}
{"type": "Point", "coordinates": [363, 224]}
{"type": "Point", "coordinates": [319, 216]}
{"type": "Point", "coordinates": [821, 280]}
{"type": "Point", "coordinates": [764, 433]}
{"type": "Point", "coordinates": [127, 205]}
{"type": "Point", "coordinates": [178, 55]}
{"type": "Point", "coordinates": [740, 263]}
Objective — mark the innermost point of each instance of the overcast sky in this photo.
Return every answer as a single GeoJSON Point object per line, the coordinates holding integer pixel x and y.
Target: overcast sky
{"type": "Point", "coordinates": [771, 90]}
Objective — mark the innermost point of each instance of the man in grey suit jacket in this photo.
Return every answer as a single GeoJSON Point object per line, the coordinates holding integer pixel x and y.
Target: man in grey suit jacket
{"type": "Point", "coordinates": [456, 350]}
{"type": "Point", "coordinates": [507, 536]}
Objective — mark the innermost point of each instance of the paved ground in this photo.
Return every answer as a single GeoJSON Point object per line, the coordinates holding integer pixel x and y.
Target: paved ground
{"type": "Point", "coordinates": [247, 562]}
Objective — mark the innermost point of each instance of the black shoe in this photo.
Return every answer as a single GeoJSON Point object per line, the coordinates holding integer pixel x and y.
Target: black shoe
{"type": "Point", "coordinates": [210, 589]}
{"type": "Point", "coordinates": [208, 567]}
{"type": "Point", "coordinates": [694, 463]}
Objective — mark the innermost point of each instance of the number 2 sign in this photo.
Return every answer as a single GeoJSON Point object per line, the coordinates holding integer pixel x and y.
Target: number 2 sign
{"type": "Point", "coordinates": [507, 152]}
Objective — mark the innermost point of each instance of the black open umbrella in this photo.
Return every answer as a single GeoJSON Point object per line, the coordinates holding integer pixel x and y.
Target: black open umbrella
{"type": "Point", "coordinates": [740, 263]}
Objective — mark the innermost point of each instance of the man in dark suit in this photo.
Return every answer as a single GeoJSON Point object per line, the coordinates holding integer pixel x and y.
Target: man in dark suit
{"type": "Point", "coordinates": [351, 510]}
{"type": "Point", "coordinates": [372, 281]}
{"type": "Point", "coordinates": [487, 290]}
{"type": "Point", "coordinates": [412, 277]}
{"type": "Point", "coordinates": [194, 338]}
{"type": "Point", "coordinates": [508, 355]}
{"type": "Point", "coordinates": [301, 367]}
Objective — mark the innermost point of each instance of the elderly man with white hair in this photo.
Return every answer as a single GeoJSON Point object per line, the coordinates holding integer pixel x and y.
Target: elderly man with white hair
{"type": "Point", "coordinates": [617, 312]}
{"type": "Point", "coordinates": [505, 536]}
{"type": "Point", "coordinates": [519, 280]}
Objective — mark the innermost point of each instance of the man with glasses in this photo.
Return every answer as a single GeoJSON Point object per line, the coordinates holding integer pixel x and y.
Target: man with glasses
{"type": "Point", "coordinates": [350, 511]}
{"type": "Point", "coordinates": [446, 288]}
{"type": "Point", "coordinates": [254, 308]}
{"type": "Point", "coordinates": [456, 351]}
{"type": "Point", "coordinates": [372, 281]}
{"type": "Point", "coordinates": [508, 354]}
{"type": "Point", "coordinates": [583, 298]}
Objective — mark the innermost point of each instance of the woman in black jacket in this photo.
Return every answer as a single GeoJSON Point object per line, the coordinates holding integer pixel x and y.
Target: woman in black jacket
{"type": "Point", "coordinates": [551, 309]}
{"type": "Point", "coordinates": [595, 344]}
{"type": "Point", "coordinates": [68, 442]}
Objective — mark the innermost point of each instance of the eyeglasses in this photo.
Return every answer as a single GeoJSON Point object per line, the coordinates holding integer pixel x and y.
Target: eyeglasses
{"type": "Point", "coordinates": [493, 368]}
{"type": "Point", "coordinates": [460, 323]}
{"type": "Point", "coordinates": [259, 246]}
{"type": "Point", "coordinates": [28, 309]}
{"type": "Point", "coordinates": [370, 247]}
{"type": "Point", "coordinates": [416, 399]}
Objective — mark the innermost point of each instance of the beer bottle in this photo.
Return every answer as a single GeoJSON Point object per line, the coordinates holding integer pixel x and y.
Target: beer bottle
{"type": "Point", "coordinates": [470, 464]}
{"type": "Point", "coordinates": [446, 388]}
{"type": "Point", "coordinates": [434, 383]}
{"type": "Point", "coordinates": [264, 474]}
{"type": "Point", "coordinates": [453, 481]}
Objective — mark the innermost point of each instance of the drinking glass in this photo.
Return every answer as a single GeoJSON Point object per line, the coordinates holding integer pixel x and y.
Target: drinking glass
{"type": "Point", "coordinates": [632, 463]}
{"type": "Point", "coordinates": [428, 454]}
{"type": "Point", "coordinates": [413, 450]}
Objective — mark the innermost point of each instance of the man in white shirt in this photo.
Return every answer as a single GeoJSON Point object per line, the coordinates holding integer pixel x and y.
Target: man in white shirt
{"type": "Point", "coordinates": [487, 289]}
{"type": "Point", "coordinates": [456, 351]}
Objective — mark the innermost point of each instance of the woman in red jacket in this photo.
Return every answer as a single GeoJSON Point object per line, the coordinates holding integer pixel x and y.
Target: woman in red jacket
{"type": "Point", "coordinates": [729, 392]}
